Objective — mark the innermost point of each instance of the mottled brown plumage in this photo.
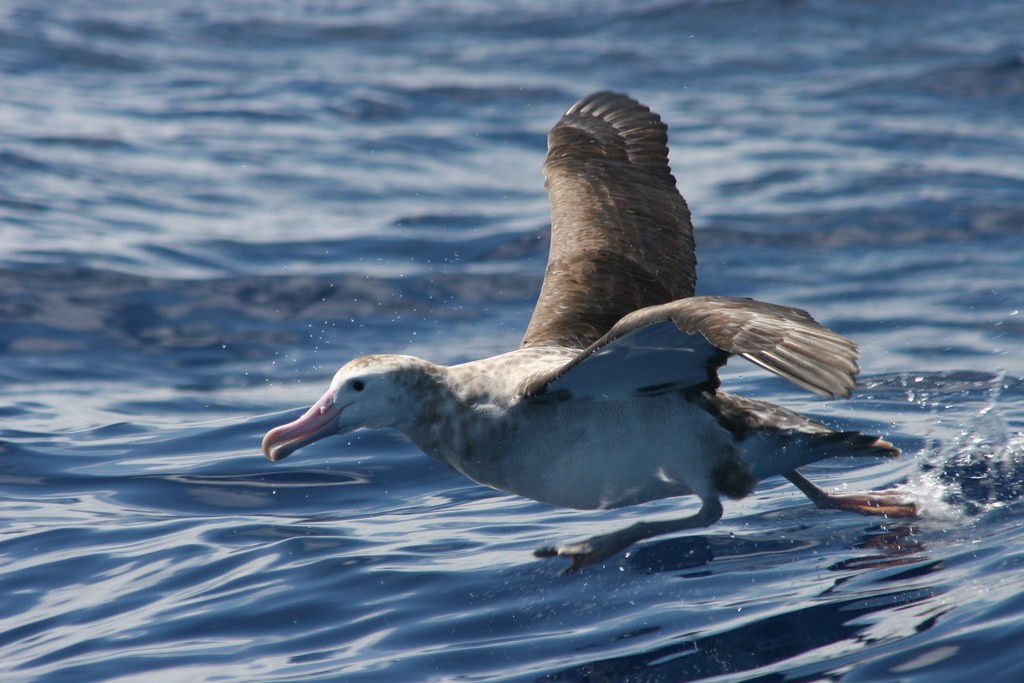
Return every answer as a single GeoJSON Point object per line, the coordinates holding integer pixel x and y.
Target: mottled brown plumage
{"type": "Point", "coordinates": [607, 165]}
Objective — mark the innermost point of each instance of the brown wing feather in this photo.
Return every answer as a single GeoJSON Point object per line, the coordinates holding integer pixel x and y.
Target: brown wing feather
{"type": "Point", "coordinates": [621, 237]}
{"type": "Point", "coordinates": [783, 340]}
{"type": "Point", "coordinates": [786, 341]}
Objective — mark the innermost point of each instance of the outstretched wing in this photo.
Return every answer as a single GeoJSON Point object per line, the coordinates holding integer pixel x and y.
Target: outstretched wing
{"type": "Point", "coordinates": [682, 344]}
{"type": "Point", "coordinates": [621, 237]}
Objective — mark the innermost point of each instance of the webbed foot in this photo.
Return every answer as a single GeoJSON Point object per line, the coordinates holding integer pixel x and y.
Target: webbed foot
{"type": "Point", "coordinates": [583, 553]}
{"type": "Point", "coordinates": [890, 503]}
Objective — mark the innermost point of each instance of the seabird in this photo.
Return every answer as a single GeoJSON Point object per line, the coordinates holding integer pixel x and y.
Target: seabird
{"type": "Point", "coordinates": [613, 397]}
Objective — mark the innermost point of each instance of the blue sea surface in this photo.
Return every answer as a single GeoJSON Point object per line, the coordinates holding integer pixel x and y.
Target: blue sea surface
{"type": "Point", "coordinates": [207, 207]}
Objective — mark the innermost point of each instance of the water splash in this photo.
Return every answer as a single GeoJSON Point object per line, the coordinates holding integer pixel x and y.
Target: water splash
{"type": "Point", "coordinates": [977, 471]}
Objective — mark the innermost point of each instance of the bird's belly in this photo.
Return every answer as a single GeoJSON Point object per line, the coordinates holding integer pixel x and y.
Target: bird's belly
{"type": "Point", "coordinates": [570, 485]}
{"type": "Point", "coordinates": [602, 454]}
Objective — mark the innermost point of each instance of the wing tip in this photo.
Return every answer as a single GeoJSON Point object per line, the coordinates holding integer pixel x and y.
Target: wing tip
{"type": "Point", "coordinates": [830, 383]}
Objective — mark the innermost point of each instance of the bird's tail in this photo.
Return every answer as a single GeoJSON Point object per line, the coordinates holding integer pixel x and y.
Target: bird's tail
{"type": "Point", "coordinates": [775, 440]}
{"type": "Point", "coordinates": [771, 454]}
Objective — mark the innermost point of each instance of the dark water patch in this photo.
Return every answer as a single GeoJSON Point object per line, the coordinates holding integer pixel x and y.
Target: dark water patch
{"type": "Point", "coordinates": [229, 113]}
{"type": "Point", "coordinates": [12, 162]}
{"type": "Point", "coordinates": [278, 32]}
{"type": "Point", "coordinates": [33, 52]}
{"type": "Point", "coordinates": [966, 385]}
{"type": "Point", "coordinates": [694, 552]}
{"type": "Point", "coordinates": [463, 99]}
{"type": "Point", "coordinates": [21, 206]}
{"type": "Point", "coordinates": [84, 142]}
{"type": "Point", "coordinates": [1000, 78]}
{"type": "Point", "coordinates": [208, 494]}
{"type": "Point", "coordinates": [448, 246]}
{"type": "Point", "coordinates": [114, 29]}
{"type": "Point", "coordinates": [748, 648]}
{"type": "Point", "coordinates": [866, 229]}
{"type": "Point", "coordinates": [373, 107]}
{"type": "Point", "coordinates": [190, 406]}
{"type": "Point", "coordinates": [446, 221]}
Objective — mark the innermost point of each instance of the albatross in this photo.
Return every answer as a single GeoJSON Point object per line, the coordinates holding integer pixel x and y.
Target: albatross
{"type": "Point", "coordinates": [613, 398]}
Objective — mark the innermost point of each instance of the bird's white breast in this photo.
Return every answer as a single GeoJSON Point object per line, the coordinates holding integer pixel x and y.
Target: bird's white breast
{"type": "Point", "coordinates": [591, 454]}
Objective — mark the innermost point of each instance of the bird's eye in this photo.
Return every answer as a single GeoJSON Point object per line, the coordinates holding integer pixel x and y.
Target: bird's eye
{"type": "Point", "coordinates": [358, 385]}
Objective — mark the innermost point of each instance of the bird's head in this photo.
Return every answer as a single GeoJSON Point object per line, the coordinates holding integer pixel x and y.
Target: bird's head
{"type": "Point", "coordinates": [372, 391]}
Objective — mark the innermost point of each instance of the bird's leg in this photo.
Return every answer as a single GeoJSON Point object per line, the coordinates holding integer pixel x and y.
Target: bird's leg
{"type": "Point", "coordinates": [888, 503]}
{"type": "Point", "coordinates": [603, 546]}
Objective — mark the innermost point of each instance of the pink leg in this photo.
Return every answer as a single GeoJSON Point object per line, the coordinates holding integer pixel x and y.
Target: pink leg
{"type": "Point", "coordinates": [886, 503]}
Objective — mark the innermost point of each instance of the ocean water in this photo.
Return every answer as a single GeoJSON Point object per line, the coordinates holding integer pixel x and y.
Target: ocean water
{"type": "Point", "coordinates": [205, 208]}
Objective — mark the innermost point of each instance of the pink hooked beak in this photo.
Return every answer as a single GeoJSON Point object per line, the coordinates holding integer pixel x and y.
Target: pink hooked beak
{"type": "Point", "coordinates": [318, 422]}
